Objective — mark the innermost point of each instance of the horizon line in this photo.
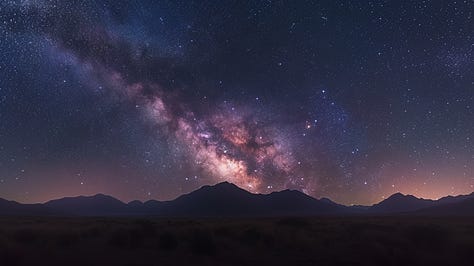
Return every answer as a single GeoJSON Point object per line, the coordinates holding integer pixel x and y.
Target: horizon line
{"type": "Point", "coordinates": [224, 182]}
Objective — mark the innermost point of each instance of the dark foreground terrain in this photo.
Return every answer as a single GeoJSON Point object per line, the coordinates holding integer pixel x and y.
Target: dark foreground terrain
{"type": "Point", "coordinates": [276, 241]}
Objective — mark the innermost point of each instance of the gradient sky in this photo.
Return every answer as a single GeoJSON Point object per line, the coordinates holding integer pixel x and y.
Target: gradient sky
{"type": "Point", "coordinates": [351, 100]}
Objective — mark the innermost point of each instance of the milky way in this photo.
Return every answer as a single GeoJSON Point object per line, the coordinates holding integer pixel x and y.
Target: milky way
{"type": "Point", "coordinates": [226, 145]}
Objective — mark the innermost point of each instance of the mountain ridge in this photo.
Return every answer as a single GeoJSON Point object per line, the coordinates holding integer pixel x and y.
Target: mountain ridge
{"type": "Point", "coordinates": [226, 199]}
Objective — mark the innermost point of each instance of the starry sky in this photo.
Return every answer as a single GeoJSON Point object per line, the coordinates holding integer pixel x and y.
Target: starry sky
{"type": "Point", "coordinates": [351, 100]}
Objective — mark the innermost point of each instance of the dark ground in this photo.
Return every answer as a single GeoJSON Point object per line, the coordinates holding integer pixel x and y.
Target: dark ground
{"type": "Point", "coordinates": [276, 241]}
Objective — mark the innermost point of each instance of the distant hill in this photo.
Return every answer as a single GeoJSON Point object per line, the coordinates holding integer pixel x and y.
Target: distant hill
{"type": "Point", "coordinates": [228, 200]}
{"type": "Point", "coordinates": [464, 207]}
{"type": "Point", "coordinates": [97, 205]}
{"type": "Point", "coordinates": [408, 204]}
{"type": "Point", "coordinates": [455, 199]}
{"type": "Point", "coordinates": [398, 203]}
{"type": "Point", "coordinates": [13, 208]}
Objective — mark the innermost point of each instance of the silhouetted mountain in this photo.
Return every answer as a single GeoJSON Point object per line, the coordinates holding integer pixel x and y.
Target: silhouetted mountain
{"type": "Point", "coordinates": [13, 208]}
{"type": "Point", "coordinates": [88, 206]}
{"type": "Point", "coordinates": [135, 204]}
{"type": "Point", "coordinates": [223, 198]}
{"type": "Point", "coordinates": [463, 206]}
{"type": "Point", "coordinates": [455, 199]}
{"type": "Point", "coordinates": [228, 200]}
{"type": "Point", "coordinates": [329, 201]}
{"type": "Point", "coordinates": [296, 202]}
{"type": "Point", "coordinates": [399, 203]}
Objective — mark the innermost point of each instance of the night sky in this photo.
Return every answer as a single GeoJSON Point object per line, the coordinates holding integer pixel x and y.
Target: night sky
{"type": "Point", "coordinates": [351, 100]}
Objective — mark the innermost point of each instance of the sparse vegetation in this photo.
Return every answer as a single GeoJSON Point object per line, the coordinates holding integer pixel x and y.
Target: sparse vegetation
{"type": "Point", "coordinates": [278, 241]}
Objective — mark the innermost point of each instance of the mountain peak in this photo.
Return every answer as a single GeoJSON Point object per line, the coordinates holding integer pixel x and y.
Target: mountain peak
{"type": "Point", "coordinates": [100, 195]}
{"type": "Point", "coordinates": [135, 203]}
{"type": "Point", "coordinates": [223, 187]}
{"type": "Point", "coordinates": [103, 197]}
{"type": "Point", "coordinates": [225, 184]}
{"type": "Point", "coordinates": [399, 202]}
{"type": "Point", "coordinates": [398, 195]}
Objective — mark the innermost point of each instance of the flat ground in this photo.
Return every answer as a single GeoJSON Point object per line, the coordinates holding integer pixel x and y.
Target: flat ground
{"type": "Point", "coordinates": [275, 241]}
